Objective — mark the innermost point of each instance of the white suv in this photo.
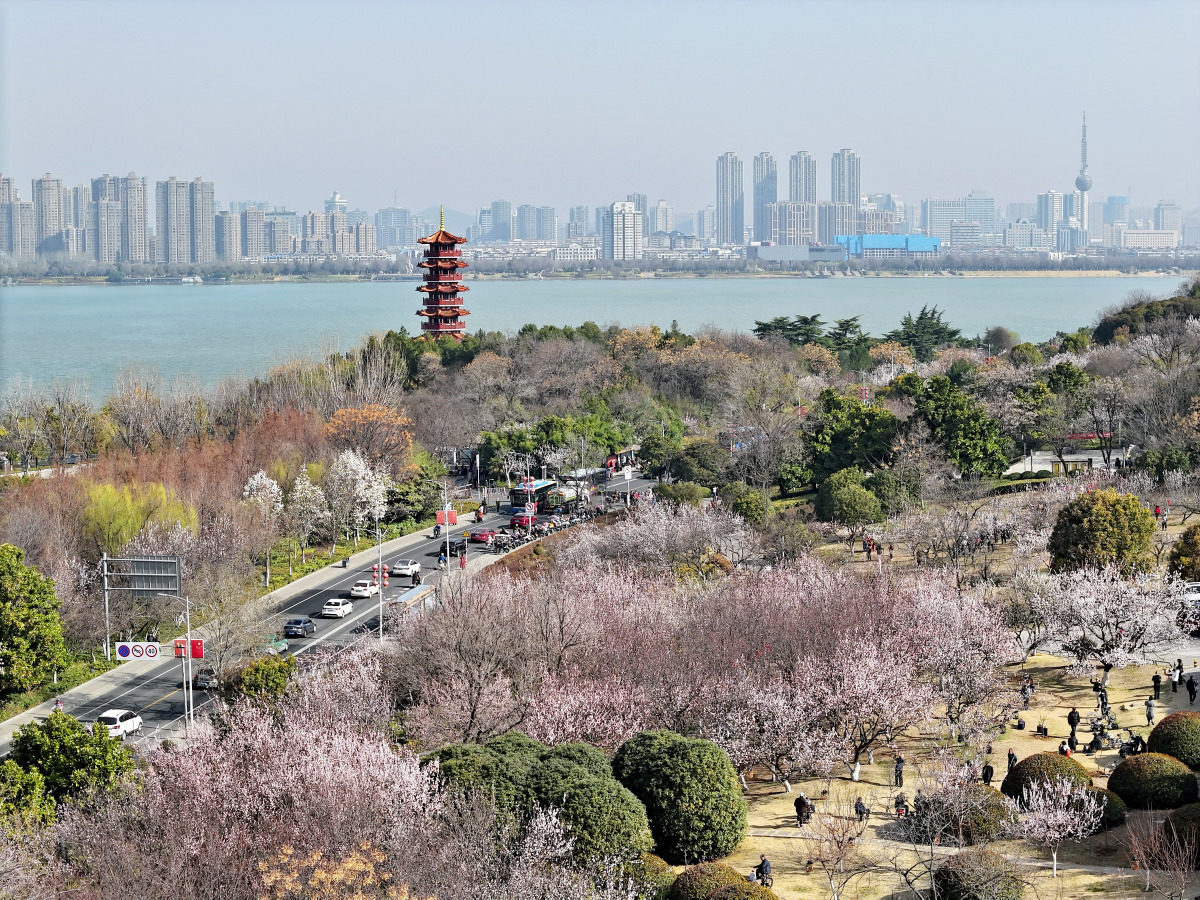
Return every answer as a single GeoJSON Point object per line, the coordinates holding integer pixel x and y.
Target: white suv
{"type": "Point", "coordinates": [120, 722]}
{"type": "Point", "coordinates": [336, 607]}
{"type": "Point", "coordinates": [406, 567]}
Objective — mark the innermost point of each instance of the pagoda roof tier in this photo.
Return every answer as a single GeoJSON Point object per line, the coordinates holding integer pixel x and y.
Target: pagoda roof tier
{"type": "Point", "coordinates": [447, 311]}
{"type": "Point", "coordinates": [438, 263]}
{"type": "Point", "coordinates": [442, 236]}
{"type": "Point", "coordinates": [443, 287]}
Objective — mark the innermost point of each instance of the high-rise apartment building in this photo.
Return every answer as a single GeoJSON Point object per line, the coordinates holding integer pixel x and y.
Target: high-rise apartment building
{"type": "Point", "coordinates": [766, 190]}
{"type": "Point", "coordinates": [937, 217]}
{"type": "Point", "coordinates": [526, 223]}
{"type": "Point", "coordinates": [642, 204]}
{"type": "Point", "coordinates": [173, 221]}
{"type": "Point", "coordinates": [135, 240]}
{"type": "Point", "coordinates": [1168, 216]}
{"type": "Point", "coordinates": [393, 227]}
{"type": "Point", "coordinates": [1049, 211]}
{"type": "Point", "coordinates": [254, 233]}
{"type": "Point", "coordinates": [662, 218]}
{"type": "Point", "coordinates": [364, 238]}
{"type": "Point", "coordinates": [228, 230]}
{"type": "Point", "coordinates": [845, 178]}
{"type": "Point", "coordinates": [8, 190]}
{"type": "Point", "coordinates": [802, 178]}
{"type": "Point", "coordinates": [279, 236]}
{"type": "Point", "coordinates": [1116, 211]}
{"type": "Point", "coordinates": [104, 231]}
{"type": "Point", "coordinates": [792, 224]}
{"type": "Point", "coordinates": [502, 221]}
{"type": "Point", "coordinates": [47, 212]}
{"type": "Point", "coordinates": [834, 219]}
{"type": "Point", "coordinates": [979, 206]}
{"type": "Point", "coordinates": [203, 215]}
{"type": "Point", "coordinates": [622, 234]}
{"type": "Point", "coordinates": [731, 200]}
{"type": "Point", "coordinates": [706, 225]}
{"type": "Point", "coordinates": [577, 223]}
{"type": "Point", "coordinates": [547, 224]}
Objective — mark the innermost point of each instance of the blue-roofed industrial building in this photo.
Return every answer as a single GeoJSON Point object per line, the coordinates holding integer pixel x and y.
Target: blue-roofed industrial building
{"type": "Point", "coordinates": [890, 246]}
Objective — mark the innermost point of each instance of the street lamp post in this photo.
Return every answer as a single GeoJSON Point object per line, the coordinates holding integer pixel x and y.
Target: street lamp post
{"type": "Point", "coordinates": [189, 700]}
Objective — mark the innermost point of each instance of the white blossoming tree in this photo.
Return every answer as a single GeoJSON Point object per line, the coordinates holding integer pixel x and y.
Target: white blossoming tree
{"type": "Point", "coordinates": [264, 499]}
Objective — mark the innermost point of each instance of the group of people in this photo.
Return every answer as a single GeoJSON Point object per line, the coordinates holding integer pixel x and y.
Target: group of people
{"type": "Point", "coordinates": [870, 546]}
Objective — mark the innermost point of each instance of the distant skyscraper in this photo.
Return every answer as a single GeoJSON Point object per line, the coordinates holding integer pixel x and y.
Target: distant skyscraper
{"type": "Point", "coordinates": [203, 215]}
{"type": "Point", "coordinates": [135, 238]}
{"type": "Point", "coordinates": [47, 212]}
{"type": "Point", "coordinates": [731, 199]}
{"type": "Point", "coordinates": [526, 223]}
{"type": "Point", "coordinates": [229, 235]}
{"type": "Point", "coordinates": [706, 224]}
{"type": "Point", "coordinates": [335, 203]}
{"type": "Point", "coordinates": [1049, 211]}
{"type": "Point", "coordinates": [766, 190]}
{"type": "Point", "coordinates": [1168, 216]}
{"type": "Point", "coordinates": [793, 224]}
{"type": "Point", "coordinates": [642, 203]}
{"type": "Point", "coordinates": [980, 206]}
{"type": "Point", "coordinates": [578, 225]}
{"type": "Point", "coordinates": [845, 178]}
{"type": "Point", "coordinates": [1083, 181]}
{"type": "Point", "coordinates": [104, 231]}
{"type": "Point", "coordinates": [937, 217]}
{"type": "Point", "coordinates": [254, 233]}
{"type": "Point", "coordinates": [1116, 211]}
{"type": "Point", "coordinates": [834, 219]}
{"type": "Point", "coordinates": [547, 224]}
{"type": "Point", "coordinates": [502, 221]}
{"type": "Point", "coordinates": [662, 218]}
{"type": "Point", "coordinates": [802, 178]}
{"type": "Point", "coordinates": [173, 221]}
{"type": "Point", "coordinates": [622, 236]}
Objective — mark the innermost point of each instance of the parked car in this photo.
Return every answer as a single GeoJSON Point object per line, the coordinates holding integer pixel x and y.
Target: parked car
{"type": "Point", "coordinates": [205, 679]}
{"type": "Point", "coordinates": [522, 521]}
{"type": "Point", "coordinates": [337, 608]}
{"type": "Point", "coordinates": [483, 535]}
{"type": "Point", "coordinates": [458, 546]}
{"type": "Point", "coordinates": [300, 627]}
{"type": "Point", "coordinates": [406, 567]}
{"type": "Point", "coordinates": [363, 589]}
{"type": "Point", "coordinates": [120, 722]}
{"type": "Point", "coordinates": [275, 645]}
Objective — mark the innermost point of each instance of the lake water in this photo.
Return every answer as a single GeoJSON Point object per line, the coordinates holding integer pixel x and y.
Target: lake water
{"type": "Point", "coordinates": [210, 332]}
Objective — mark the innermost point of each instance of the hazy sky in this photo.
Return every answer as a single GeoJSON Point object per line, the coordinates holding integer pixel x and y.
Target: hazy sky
{"type": "Point", "coordinates": [581, 103]}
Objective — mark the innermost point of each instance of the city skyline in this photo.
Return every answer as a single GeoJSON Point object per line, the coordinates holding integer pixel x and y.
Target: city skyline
{"type": "Point", "coordinates": [1001, 125]}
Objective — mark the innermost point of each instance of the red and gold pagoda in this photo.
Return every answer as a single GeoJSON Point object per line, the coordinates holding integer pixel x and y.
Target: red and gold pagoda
{"type": "Point", "coordinates": [443, 310]}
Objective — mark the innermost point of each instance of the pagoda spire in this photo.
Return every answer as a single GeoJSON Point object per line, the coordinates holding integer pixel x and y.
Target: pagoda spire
{"type": "Point", "coordinates": [442, 307]}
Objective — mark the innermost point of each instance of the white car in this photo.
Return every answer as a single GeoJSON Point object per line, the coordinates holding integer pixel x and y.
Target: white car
{"type": "Point", "coordinates": [337, 608]}
{"type": "Point", "coordinates": [406, 567]}
{"type": "Point", "coordinates": [363, 589]}
{"type": "Point", "coordinates": [120, 722]}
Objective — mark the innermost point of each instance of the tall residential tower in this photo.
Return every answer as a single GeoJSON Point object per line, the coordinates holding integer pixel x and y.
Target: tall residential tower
{"type": "Point", "coordinates": [731, 200]}
{"type": "Point", "coordinates": [766, 190]}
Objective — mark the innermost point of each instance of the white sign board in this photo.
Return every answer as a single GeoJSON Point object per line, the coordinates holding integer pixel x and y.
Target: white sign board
{"type": "Point", "coordinates": [628, 472]}
{"type": "Point", "coordinates": [530, 509]}
{"type": "Point", "coordinates": [136, 650]}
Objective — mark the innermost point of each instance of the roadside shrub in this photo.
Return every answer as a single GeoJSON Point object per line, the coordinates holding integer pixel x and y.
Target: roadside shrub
{"type": "Point", "coordinates": [1153, 781]}
{"type": "Point", "coordinates": [1114, 808]}
{"type": "Point", "coordinates": [1102, 528]}
{"type": "Point", "coordinates": [585, 755]}
{"type": "Point", "coordinates": [1186, 820]}
{"type": "Point", "coordinates": [977, 874]}
{"type": "Point", "coordinates": [1178, 735]}
{"type": "Point", "coordinates": [979, 815]}
{"type": "Point", "coordinates": [1043, 767]}
{"type": "Point", "coordinates": [691, 792]}
{"type": "Point", "coordinates": [702, 881]}
{"type": "Point", "coordinates": [1184, 560]}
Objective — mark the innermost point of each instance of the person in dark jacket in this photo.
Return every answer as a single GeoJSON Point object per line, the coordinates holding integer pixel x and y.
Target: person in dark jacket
{"type": "Point", "coordinates": [899, 770]}
{"type": "Point", "coordinates": [1012, 758]}
{"type": "Point", "coordinates": [1157, 682]}
{"type": "Point", "coordinates": [1072, 742]}
{"type": "Point", "coordinates": [1191, 688]}
{"type": "Point", "coordinates": [763, 869]}
{"type": "Point", "coordinates": [860, 809]}
{"type": "Point", "coordinates": [987, 773]}
{"type": "Point", "coordinates": [1073, 719]}
{"type": "Point", "coordinates": [801, 805]}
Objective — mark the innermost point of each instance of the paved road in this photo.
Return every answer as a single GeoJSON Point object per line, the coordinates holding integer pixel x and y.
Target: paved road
{"type": "Point", "coordinates": [155, 690]}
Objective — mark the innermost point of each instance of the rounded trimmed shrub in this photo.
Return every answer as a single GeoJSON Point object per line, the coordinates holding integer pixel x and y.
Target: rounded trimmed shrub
{"type": "Point", "coordinates": [515, 742]}
{"type": "Point", "coordinates": [747, 890]}
{"type": "Point", "coordinates": [702, 881]}
{"type": "Point", "coordinates": [469, 767]}
{"type": "Point", "coordinates": [1153, 781]}
{"type": "Point", "coordinates": [652, 876]}
{"type": "Point", "coordinates": [1178, 735]}
{"type": "Point", "coordinates": [604, 819]}
{"type": "Point", "coordinates": [1115, 809]}
{"type": "Point", "coordinates": [1043, 767]}
{"type": "Point", "coordinates": [977, 874]}
{"type": "Point", "coordinates": [692, 795]}
{"type": "Point", "coordinates": [980, 816]}
{"type": "Point", "coordinates": [585, 755]}
{"type": "Point", "coordinates": [1186, 820]}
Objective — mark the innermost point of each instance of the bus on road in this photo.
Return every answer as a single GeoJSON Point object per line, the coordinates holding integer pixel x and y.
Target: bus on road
{"type": "Point", "coordinates": [533, 491]}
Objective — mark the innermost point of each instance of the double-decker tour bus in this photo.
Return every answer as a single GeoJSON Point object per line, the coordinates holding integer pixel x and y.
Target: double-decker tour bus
{"type": "Point", "coordinates": [532, 491]}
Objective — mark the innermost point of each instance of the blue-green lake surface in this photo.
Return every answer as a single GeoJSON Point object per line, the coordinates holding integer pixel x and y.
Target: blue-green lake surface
{"type": "Point", "coordinates": [214, 331]}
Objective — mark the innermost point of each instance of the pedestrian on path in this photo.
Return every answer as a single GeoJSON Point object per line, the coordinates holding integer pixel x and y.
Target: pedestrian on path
{"type": "Point", "coordinates": [1012, 758]}
{"type": "Point", "coordinates": [1149, 710]}
{"type": "Point", "coordinates": [462, 560]}
{"type": "Point", "coordinates": [899, 770]}
{"type": "Point", "coordinates": [1191, 689]}
{"type": "Point", "coordinates": [1157, 682]}
{"type": "Point", "coordinates": [1174, 681]}
{"type": "Point", "coordinates": [987, 773]}
{"type": "Point", "coordinates": [1073, 719]}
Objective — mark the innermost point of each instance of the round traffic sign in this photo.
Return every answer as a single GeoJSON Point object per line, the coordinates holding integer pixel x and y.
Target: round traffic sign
{"type": "Point", "coordinates": [123, 651]}
{"type": "Point", "coordinates": [137, 651]}
{"type": "Point", "coordinates": [151, 651]}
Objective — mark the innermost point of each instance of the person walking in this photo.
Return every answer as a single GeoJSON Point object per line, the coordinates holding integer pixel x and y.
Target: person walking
{"type": "Point", "coordinates": [462, 560]}
{"type": "Point", "coordinates": [899, 770]}
{"type": "Point", "coordinates": [1149, 710]}
{"type": "Point", "coordinates": [860, 809]}
{"type": "Point", "coordinates": [1073, 719]}
{"type": "Point", "coordinates": [1191, 689]}
{"type": "Point", "coordinates": [1012, 758]}
{"type": "Point", "coordinates": [987, 773]}
{"type": "Point", "coordinates": [799, 804]}
{"type": "Point", "coordinates": [1157, 682]}
{"type": "Point", "coordinates": [1174, 681]}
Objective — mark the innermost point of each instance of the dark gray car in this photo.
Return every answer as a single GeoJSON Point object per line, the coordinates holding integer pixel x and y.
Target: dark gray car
{"type": "Point", "coordinates": [300, 627]}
